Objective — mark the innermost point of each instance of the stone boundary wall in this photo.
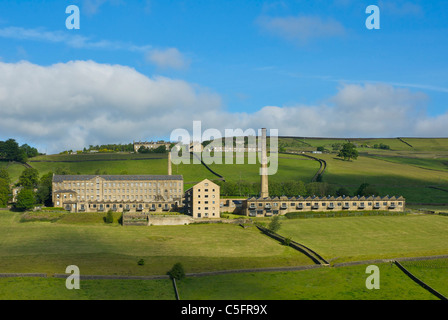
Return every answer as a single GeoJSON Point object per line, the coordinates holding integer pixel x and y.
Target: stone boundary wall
{"type": "Point", "coordinates": [297, 246]}
{"type": "Point", "coordinates": [23, 275]}
{"type": "Point", "coordinates": [118, 277]}
{"type": "Point", "coordinates": [169, 220]}
{"type": "Point", "coordinates": [420, 282]}
{"type": "Point", "coordinates": [354, 263]}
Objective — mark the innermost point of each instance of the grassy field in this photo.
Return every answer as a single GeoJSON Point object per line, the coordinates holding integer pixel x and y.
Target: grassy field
{"type": "Point", "coordinates": [366, 238]}
{"type": "Point", "coordinates": [388, 177]}
{"type": "Point", "coordinates": [344, 283]}
{"type": "Point", "coordinates": [54, 289]}
{"type": "Point", "coordinates": [96, 248]}
{"type": "Point", "coordinates": [433, 272]}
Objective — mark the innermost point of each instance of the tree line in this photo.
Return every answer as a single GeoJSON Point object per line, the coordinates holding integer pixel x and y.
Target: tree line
{"type": "Point", "coordinates": [35, 190]}
{"type": "Point", "coordinates": [293, 188]}
{"type": "Point", "coordinates": [11, 151]}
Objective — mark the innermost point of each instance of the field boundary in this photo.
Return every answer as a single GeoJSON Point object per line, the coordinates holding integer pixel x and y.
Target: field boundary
{"type": "Point", "coordinates": [295, 245]}
{"type": "Point", "coordinates": [218, 272]}
{"type": "Point", "coordinates": [420, 282]}
{"type": "Point", "coordinates": [23, 275]}
{"type": "Point", "coordinates": [390, 260]}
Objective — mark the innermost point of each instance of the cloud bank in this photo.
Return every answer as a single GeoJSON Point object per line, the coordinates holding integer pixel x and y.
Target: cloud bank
{"type": "Point", "coordinates": [72, 105]}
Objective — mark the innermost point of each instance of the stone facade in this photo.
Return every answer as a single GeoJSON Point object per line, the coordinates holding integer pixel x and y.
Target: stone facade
{"type": "Point", "coordinates": [142, 193]}
{"type": "Point", "coordinates": [203, 200]}
{"type": "Point", "coordinates": [267, 207]}
{"type": "Point", "coordinates": [151, 145]}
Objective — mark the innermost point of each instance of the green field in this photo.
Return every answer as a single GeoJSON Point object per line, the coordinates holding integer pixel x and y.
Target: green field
{"type": "Point", "coordinates": [100, 249]}
{"type": "Point", "coordinates": [374, 237]}
{"type": "Point", "coordinates": [344, 283]}
{"type": "Point", "coordinates": [54, 289]}
{"type": "Point", "coordinates": [96, 248]}
{"type": "Point", "coordinates": [433, 272]}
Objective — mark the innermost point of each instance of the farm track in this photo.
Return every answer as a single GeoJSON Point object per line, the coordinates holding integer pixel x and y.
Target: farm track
{"type": "Point", "coordinates": [323, 164]}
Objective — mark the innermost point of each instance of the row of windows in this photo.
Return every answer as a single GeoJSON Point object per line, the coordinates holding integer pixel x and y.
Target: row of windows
{"type": "Point", "coordinates": [205, 214]}
{"type": "Point", "coordinates": [114, 197]}
{"type": "Point", "coordinates": [120, 184]}
{"type": "Point", "coordinates": [331, 204]}
{"type": "Point", "coordinates": [126, 206]}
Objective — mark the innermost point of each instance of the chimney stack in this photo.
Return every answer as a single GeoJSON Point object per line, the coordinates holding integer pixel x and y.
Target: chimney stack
{"type": "Point", "coordinates": [264, 166]}
{"type": "Point", "coordinates": [169, 163]}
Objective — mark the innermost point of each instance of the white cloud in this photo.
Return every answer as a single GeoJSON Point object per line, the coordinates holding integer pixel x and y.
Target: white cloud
{"type": "Point", "coordinates": [73, 41]}
{"type": "Point", "coordinates": [301, 28]}
{"type": "Point", "coordinates": [74, 104]}
{"type": "Point", "coordinates": [70, 105]}
{"type": "Point", "coordinates": [168, 58]}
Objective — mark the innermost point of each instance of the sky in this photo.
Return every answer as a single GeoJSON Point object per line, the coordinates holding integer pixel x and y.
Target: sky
{"type": "Point", "coordinates": [138, 70]}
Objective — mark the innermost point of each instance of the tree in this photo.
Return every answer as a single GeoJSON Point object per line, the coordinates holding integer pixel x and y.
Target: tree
{"type": "Point", "coordinates": [29, 178]}
{"type": "Point", "coordinates": [342, 192]}
{"type": "Point", "coordinates": [44, 190]}
{"type": "Point", "coordinates": [5, 175]}
{"type": "Point", "coordinates": [177, 272]}
{"type": "Point", "coordinates": [25, 200]}
{"type": "Point", "coordinates": [10, 150]}
{"type": "Point", "coordinates": [366, 190]}
{"type": "Point", "coordinates": [29, 151]}
{"type": "Point", "coordinates": [348, 152]}
{"type": "Point", "coordinates": [109, 217]}
{"type": "Point", "coordinates": [4, 192]}
{"type": "Point", "coordinates": [275, 224]}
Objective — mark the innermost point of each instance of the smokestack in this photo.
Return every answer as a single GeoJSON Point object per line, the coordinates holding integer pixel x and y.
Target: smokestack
{"type": "Point", "coordinates": [264, 166]}
{"type": "Point", "coordinates": [169, 163]}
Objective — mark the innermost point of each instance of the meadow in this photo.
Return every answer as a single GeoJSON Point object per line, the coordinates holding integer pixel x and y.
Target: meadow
{"type": "Point", "coordinates": [48, 246]}
{"type": "Point", "coordinates": [342, 283]}
{"type": "Point", "coordinates": [371, 237]}
{"type": "Point", "coordinates": [97, 248]}
{"type": "Point", "coordinates": [433, 272]}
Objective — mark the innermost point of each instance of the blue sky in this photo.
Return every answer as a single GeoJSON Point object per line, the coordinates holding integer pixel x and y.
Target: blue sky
{"type": "Point", "coordinates": [307, 68]}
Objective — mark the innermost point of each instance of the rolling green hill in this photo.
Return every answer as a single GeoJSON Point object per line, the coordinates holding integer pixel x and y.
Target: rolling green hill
{"type": "Point", "coordinates": [414, 168]}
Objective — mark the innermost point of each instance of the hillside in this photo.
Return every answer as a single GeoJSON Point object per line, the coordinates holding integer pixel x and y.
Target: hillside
{"type": "Point", "coordinates": [414, 168]}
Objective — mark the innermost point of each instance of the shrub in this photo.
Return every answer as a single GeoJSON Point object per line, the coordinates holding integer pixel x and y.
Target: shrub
{"type": "Point", "coordinates": [141, 262]}
{"type": "Point", "coordinates": [287, 241]}
{"type": "Point", "coordinates": [177, 272]}
{"type": "Point", "coordinates": [110, 217]}
{"type": "Point", "coordinates": [274, 225]}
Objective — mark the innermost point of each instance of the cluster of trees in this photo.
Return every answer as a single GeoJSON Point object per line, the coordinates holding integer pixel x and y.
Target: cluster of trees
{"type": "Point", "coordinates": [11, 151]}
{"type": "Point", "coordinates": [5, 193]}
{"type": "Point", "coordinates": [160, 149]}
{"type": "Point", "coordinates": [292, 189]}
{"type": "Point", "coordinates": [112, 147]}
{"type": "Point", "coordinates": [35, 189]}
{"type": "Point", "coordinates": [381, 146]}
